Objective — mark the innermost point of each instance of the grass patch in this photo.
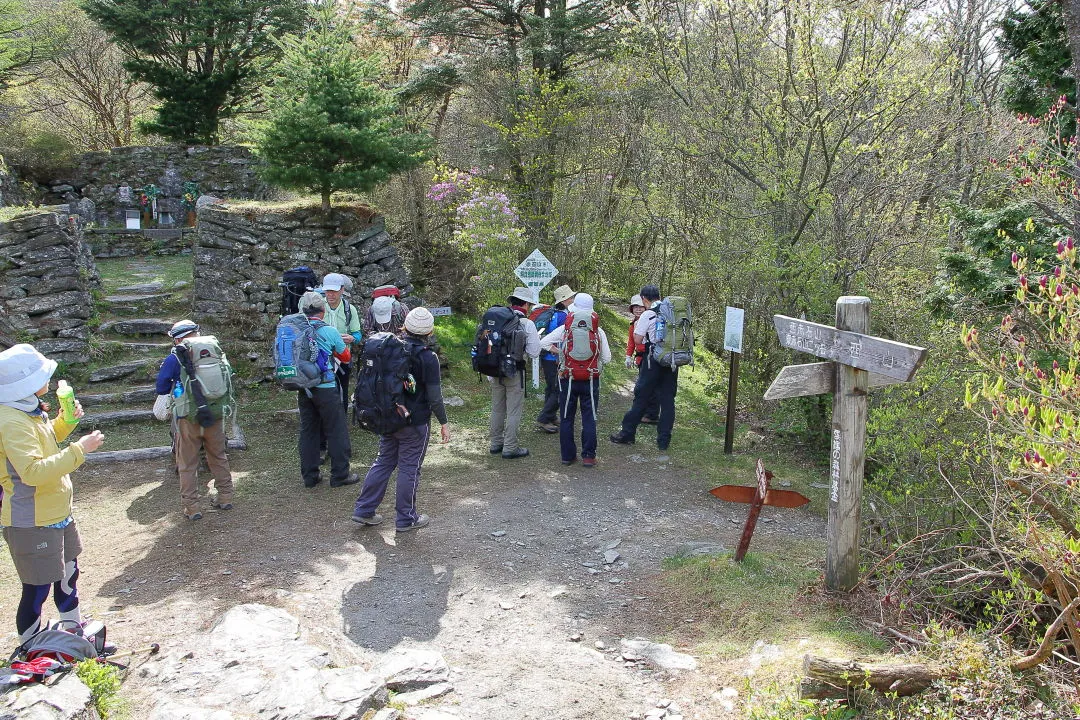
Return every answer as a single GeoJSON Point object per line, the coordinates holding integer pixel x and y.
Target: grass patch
{"type": "Point", "coordinates": [104, 683]}
{"type": "Point", "coordinates": [167, 270]}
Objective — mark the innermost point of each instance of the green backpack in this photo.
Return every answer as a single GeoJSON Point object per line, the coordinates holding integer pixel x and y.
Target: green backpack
{"type": "Point", "coordinates": [212, 372]}
{"type": "Point", "coordinates": [673, 344]}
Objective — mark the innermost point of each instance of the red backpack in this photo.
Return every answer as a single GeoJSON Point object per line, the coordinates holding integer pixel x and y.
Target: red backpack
{"type": "Point", "coordinates": [579, 358]}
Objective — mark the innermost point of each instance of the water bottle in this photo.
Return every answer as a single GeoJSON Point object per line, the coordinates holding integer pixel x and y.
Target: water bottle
{"type": "Point", "coordinates": [66, 396]}
{"type": "Point", "coordinates": [178, 389]}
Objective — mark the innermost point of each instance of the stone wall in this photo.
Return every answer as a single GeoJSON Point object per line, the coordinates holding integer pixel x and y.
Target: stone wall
{"type": "Point", "coordinates": [241, 252]}
{"type": "Point", "coordinates": [220, 171]}
{"type": "Point", "coordinates": [47, 273]}
{"type": "Point", "coordinates": [113, 243]}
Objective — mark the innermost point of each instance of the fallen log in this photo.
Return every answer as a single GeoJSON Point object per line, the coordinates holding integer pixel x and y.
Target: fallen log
{"type": "Point", "coordinates": [117, 417]}
{"type": "Point", "coordinates": [149, 453]}
{"type": "Point", "coordinates": [832, 678]}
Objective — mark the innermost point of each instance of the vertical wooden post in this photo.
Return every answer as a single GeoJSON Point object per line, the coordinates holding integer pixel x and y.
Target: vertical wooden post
{"type": "Point", "coordinates": [848, 454]}
{"type": "Point", "coordinates": [732, 396]}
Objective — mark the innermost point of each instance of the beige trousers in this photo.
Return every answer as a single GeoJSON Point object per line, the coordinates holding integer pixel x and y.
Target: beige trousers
{"type": "Point", "coordinates": [507, 401]}
{"type": "Point", "coordinates": [190, 437]}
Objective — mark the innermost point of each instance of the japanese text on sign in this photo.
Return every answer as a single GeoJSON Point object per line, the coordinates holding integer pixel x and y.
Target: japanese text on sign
{"type": "Point", "coordinates": [834, 493]}
{"type": "Point", "coordinates": [536, 271]}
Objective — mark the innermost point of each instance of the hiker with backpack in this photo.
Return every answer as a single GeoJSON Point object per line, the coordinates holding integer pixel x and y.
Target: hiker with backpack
{"type": "Point", "coordinates": [386, 313]}
{"type": "Point", "coordinates": [397, 392]}
{"type": "Point", "coordinates": [305, 352]}
{"type": "Point", "coordinates": [504, 338]}
{"type": "Point", "coordinates": [583, 350]}
{"type": "Point", "coordinates": [635, 354]}
{"type": "Point", "coordinates": [666, 331]}
{"type": "Point", "coordinates": [39, 529]}
{"type": "Point", "coordinates": [341, 316]}
{"type": "Point", "coordinates": [198, 378]}
{"type": "Point", "coordinates": [546, 322]}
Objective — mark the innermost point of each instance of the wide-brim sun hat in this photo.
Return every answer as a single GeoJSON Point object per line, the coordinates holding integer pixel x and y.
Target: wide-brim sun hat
{"type": "Point", "coordinates": [382, 309]}
{"type": "Point", "coordinates": [420, 321]}
{"type": "Point", "coordinates": [636, 301]}
{"type": "Point", "coordinates": [524, 294]}
{"type": "Point", "coordinates": [583, 301]}
{"type": "Point", "coordinates": [23, 371]}
{"type": "Point", "coordinates": [563, 293]}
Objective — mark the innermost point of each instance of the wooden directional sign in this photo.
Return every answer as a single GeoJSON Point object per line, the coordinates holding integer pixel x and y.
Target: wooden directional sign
{"type": "Point", "coordinates": [773, 497]}
{"type": "Point", "coordinates": [859, 362]}
{"type": "Point", "coordinates": [876, 355]}
{"type": "Point", "coordinates": [813, 379]}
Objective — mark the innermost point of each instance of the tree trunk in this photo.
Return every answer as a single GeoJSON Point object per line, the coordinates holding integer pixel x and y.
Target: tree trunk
{"type": "Point", "coordinates": [832, 678]}
{"type": "Point", "coordinates": [326, 200]}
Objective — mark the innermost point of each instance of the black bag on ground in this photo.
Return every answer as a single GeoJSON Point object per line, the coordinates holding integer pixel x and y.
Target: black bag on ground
{"type": "Point", "coordinates": [294, 283]}
{"type": "Point", "coordinates": [383, 371]}
{"type": "Point", "coordinates": [499, 349]}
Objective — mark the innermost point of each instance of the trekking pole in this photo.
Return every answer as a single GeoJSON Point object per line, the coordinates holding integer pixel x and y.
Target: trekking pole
{"type": "Point", "coordinates": [151, 649]}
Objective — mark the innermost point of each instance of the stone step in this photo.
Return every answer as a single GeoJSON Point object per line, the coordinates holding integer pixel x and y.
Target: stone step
{"type": "Point", "coordinates": [142, 289]}
{"type": "Point", "coordinates": [137, 326]}
{"type": "Point", "coordinates": [140, 347]}
{"type": "Point", "coordinates": [135, 299]}
{"type": "Point", "coordinates": [117, 417]}
{"type": "Point", "coordinates": [116, 372]}
{"type": "Point", "coordinates": [142, 394]}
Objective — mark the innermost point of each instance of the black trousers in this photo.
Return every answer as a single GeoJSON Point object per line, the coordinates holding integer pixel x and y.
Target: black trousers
{"type": "Point", "coordinates": [550, 413]}
{"type": "Point", "coordinates": [659, 384]}
{"type": "Point", "coordinates": [343, 373]}
{"type": "Point", "coordinates": [321, 413]}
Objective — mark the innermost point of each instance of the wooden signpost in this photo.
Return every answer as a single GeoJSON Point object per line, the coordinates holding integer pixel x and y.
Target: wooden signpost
{"type": "Point", "coordinates": [858, 362]}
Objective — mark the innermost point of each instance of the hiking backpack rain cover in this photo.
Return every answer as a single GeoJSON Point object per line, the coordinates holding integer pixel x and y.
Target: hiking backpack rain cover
{"type": "Point", "coordinates": [674, 344]}
{"type": "Point", "coordinates": [579, 358]}
{"type": "Point", "coordinates": [499, 348]}
{"type": "Point", "coordinates": [297, 355]}
{"type": "Point", "coordinates": [379, 398]}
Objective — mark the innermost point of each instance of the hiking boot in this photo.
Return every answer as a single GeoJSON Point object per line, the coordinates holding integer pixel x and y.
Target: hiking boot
{"type": "Point", "coordinates": [570, 461]}
{"type": "Point", "coordinates": [313, 482]}
{"type": "Point", "coordinates": [351, 480]}
{"type": "Point", "coordinates": [421, 521]}
{"type": "Point", "coordinates": [368, 519]}
{"type": "Point", "coordinates": [622, 438]}
{"type": "Point", "coordinates": [662, 447]}
{"type": "Point", "coordinates": [549, 428]}
{"type": "Point", "coordinates": [588, 462]}
{"type": "Point", "coordinates": [495, 450]}
{"type": "Point", "coordinates": [217, 505]}
{"type": "Point", "coordinates": [649, 421]}
{"type": "Point", "coordinates": [193, 515]}
{"type": "Point", "coordinates": [514, 454]}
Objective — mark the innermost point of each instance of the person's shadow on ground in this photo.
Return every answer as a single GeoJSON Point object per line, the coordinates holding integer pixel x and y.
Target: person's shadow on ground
{"type": "Point", "coordinates": [405, 598]}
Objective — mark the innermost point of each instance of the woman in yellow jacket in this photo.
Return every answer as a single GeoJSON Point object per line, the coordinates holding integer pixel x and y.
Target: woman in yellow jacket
{"type": "Point", "coordinates": [36, 511]}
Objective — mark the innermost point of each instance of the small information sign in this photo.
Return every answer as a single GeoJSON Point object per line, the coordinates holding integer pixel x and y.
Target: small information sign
{"type": "Point", "coordinates": [441, 311]}
{"type": "Point", "coordinates": [733, 329]}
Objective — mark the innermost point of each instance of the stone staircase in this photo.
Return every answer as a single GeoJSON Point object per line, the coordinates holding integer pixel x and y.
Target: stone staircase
{"type": "Point", "coordinates": [117, 391]}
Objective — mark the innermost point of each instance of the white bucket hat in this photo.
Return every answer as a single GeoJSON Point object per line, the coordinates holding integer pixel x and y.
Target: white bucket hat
{"type": "Point", "coordinates": [563, 293]}
{"type": "Point", "coordinates": [23, 371]}
{"type": "Point", "coordinates": [636, 300]}
{"type": "Point", "coordinates": [382, 308]}
{"type": "Point", "coordinates": [524, 294]}
{"type": "Point", "coordinates": [583, 301]}
{"type": "Point", "coordinates": [419, 321]}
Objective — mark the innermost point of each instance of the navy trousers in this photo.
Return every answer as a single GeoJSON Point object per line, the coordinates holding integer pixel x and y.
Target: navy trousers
{"type": "Point", "coordinates": [404, 450]}
{"type": "Point", "coordinates": [655, 383]}
{"type": "Point", "coordinates": [573, 393]}
{"type": "Point", "coordinates": [551, 392]}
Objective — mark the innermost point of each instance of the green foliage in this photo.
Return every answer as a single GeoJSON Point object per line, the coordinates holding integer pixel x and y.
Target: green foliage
{"type": "Point", "coordinates": [104, 683]}
{"type": "Point", "coordinates": [15, 51]}
{"type": "Point", "coordinates": [205, 60]}
{"type": "Point", "coordinates": [977, 273]}
{"type": "Point", "coordinates": [1038, 69]}
{"type": "Point", "coordinates": [330, 126]}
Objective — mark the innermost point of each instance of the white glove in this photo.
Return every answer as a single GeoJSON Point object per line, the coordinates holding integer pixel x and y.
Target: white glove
{"type": "Point", "coordinates": [630, 362]}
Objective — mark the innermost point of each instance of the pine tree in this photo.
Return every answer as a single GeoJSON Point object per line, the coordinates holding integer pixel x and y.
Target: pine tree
{"type": "Point", "coordinates": [205, 59]}
{"type": "Point", "coordinates": [331, 127]}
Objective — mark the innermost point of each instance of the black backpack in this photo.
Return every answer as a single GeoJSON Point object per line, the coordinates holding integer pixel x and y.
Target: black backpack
{"type": "Point", "coordinates": [379, 398]}
{"type": "Point", "coordinates": [499, 349]}
{"type": "Point", "coordinates": [294, 283]}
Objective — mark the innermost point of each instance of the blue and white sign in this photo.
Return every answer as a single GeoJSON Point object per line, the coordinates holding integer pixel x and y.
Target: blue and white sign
{"type": "Point", "coordinates": [733, 329]}
{"type": "Point", "coordinates": [441, 311]}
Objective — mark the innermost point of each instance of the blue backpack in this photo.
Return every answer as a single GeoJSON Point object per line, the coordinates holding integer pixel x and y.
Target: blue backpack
{"type": "Point", "coordinates": [299, 362]}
